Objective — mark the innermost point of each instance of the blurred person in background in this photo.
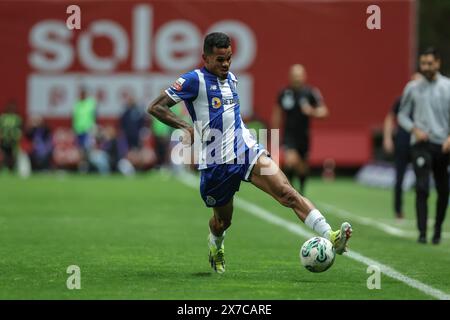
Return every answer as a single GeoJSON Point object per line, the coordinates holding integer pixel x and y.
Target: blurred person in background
{"type": "Point", "coordinates": [396, 141]}
{"type": "Point", "coordinates": [108, 155]}
{"type": "Point", "coordinates": [84, 125]}
{"type": "Point", "coordinates": [109, 143]}
{"type": "Point", "coordinates": [296, 104]}
{"type": "Point", "coordinates": [111, 153]}
{"type": "Point", "coordinates": [10, 134]}
{"type": "Point", "coordinates": [138, 154]}
{"type": "Point", "coordinates": [66, 153]}
{"type": "Point", "coordinates": [40, 136]}
{"type": "Point", "coordinates": [428, 101]}
{"type": "Point", "coordinates": [98, 155]}
{"type": "Point", "coordinates": [144, 158]}
{"type": "Point", "coordinates": [131, 123]}
{"type": "Point", "coordinates": [162, 134]}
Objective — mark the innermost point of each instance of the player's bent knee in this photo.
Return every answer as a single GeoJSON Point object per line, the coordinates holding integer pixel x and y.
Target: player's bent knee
{"type": "Point", "coordinates": [226, 224]}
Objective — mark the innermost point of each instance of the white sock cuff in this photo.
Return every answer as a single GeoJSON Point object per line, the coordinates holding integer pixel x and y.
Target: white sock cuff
{"type": "Point", "coordinates": [316, 221]}
{"type": "Point", "coordinates": [313, 217]}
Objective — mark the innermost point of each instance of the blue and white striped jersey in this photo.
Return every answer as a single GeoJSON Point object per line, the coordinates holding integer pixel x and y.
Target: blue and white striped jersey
{"type": "Point", "coordinates": [213, 105]}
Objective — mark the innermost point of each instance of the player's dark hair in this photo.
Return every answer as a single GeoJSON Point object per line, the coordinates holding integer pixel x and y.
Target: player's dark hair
{"type": "Point", "coordinates": [432, 51]}
{"type": "Point", "coordinates": [216, 39]}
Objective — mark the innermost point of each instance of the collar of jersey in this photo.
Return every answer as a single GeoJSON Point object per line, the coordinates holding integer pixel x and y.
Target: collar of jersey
{"type": "Point", "coordinates": [204, 70]}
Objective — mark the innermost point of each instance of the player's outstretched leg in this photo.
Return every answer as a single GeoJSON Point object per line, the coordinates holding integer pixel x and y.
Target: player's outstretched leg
{"type": "Point", "coordinates": [268, 177]}
{"type": "Point", "coordinates": [219, 222]}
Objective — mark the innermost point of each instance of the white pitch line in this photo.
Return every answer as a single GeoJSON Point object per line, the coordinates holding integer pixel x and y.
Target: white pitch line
{"type": "Point", "coordinates": [263, 214]}
{"type": "Point", "coordinates": [386, 228]}
{"type": "Point", "coordinates": [368, 221]}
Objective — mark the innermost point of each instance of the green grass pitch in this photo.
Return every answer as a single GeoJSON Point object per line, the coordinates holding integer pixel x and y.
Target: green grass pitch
{"type": "Point", "coordinates": [145, 238]}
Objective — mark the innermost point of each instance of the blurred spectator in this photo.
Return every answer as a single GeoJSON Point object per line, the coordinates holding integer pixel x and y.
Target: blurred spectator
{"type": "Point", "coordinates": [110, 144]}
{"type": "Point", "coordinates": [131, 123]}
{"type": "Point", "coordinates": [40, 153]}
{"type": "Point", "coordinates": [145, 157]}
{"type": "Point", "coordinates": [66, 154]}
{"type": "Point", "coordinates": [10, 134]}
{"type": "Point", "coordinates": [84, 124]}
{"type": "Point", "coordinates": [97, 156]}
{"type": "Point", "coordinates": [297, 103]}
{"type": "Point", "coordinates": [329, 169]}
{"type": "Point", "coordinates": [108, 155]}
{"type": "Point", "coordinates": [162, 134]}
{"type": "Point", "coordinates": [396, 141]}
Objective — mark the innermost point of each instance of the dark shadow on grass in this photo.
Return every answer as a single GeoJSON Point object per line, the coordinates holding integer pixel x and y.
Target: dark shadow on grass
{"type": "Point", "coordinates": [202, 274]}
{"type": "Point", "coordinates": [296, 281]}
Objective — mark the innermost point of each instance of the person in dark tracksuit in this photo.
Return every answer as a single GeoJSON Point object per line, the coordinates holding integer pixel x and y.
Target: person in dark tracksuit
{"type": "Point", "coordinates": [296, 105]}
{"type": "Point", "coordinates": [396, 140]}
{"type": "Point", "coordinates": [398, 144]}
{"type": "Point", "coordinates": [429, 101]}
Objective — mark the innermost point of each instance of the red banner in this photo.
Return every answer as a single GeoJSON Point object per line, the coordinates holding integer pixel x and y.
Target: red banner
{"type": "Point", "coordinates": [138, 48]}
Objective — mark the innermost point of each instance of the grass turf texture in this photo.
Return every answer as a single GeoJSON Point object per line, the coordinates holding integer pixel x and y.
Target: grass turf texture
{"type": "Point", "coordinates": [145, 238]}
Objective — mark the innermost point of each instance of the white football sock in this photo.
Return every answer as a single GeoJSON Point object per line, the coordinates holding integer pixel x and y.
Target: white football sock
{"type": "Point", "coordinates": [316, 221]}
{"type": "Point", "coordinates": [217, 241]}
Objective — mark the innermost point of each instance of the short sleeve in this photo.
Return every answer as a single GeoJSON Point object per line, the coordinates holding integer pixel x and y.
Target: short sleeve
{"type": "Point", "coordinates": [280, 99]}
{"type": "Point", "coordinates": [316, 97]}
{"type": "Point", "coordinates": [184, 88]}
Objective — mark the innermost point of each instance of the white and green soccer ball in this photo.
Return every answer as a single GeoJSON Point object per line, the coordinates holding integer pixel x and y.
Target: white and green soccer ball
{"type": "Point", "coordinates": [317, 254]}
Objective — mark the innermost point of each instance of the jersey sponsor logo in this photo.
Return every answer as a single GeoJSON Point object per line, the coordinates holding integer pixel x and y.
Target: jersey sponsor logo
{"type": "Point", "coordinates": [213, 87]}
{"type": "Point", "coordinates": [178, 85]}
{"type": "Point", "coordinates": [229, 101]}
{"type": "Point", "coordinates": [216, 103]}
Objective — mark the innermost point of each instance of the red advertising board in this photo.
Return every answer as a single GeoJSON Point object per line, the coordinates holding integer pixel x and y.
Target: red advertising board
{"type": "Point", "coordinates": [138, 48]}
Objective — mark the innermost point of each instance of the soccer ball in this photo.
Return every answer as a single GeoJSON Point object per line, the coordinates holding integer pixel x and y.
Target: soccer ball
{"type": "Point", "coordinates": [317, 254]}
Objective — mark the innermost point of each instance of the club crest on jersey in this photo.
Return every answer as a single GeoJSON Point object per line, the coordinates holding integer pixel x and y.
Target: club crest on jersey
{"type": "Point", "coordinates": [210, 201]}
{"type": "Point", "coordinates": [216, 103]}
{"type": "Point", "coordinates": [178, 85]}
{"type": "Point", "coordinates": [288, 101]}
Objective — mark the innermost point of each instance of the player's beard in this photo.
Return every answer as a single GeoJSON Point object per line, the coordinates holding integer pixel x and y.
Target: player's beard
{"type": "Point", "coordinates": [223, 73]}
{"type": "Point", "coordinates": [429, 75]}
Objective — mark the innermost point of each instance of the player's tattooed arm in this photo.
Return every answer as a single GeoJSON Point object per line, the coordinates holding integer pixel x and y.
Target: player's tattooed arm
{"type": "Point", "coordinates": [160, 109]}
